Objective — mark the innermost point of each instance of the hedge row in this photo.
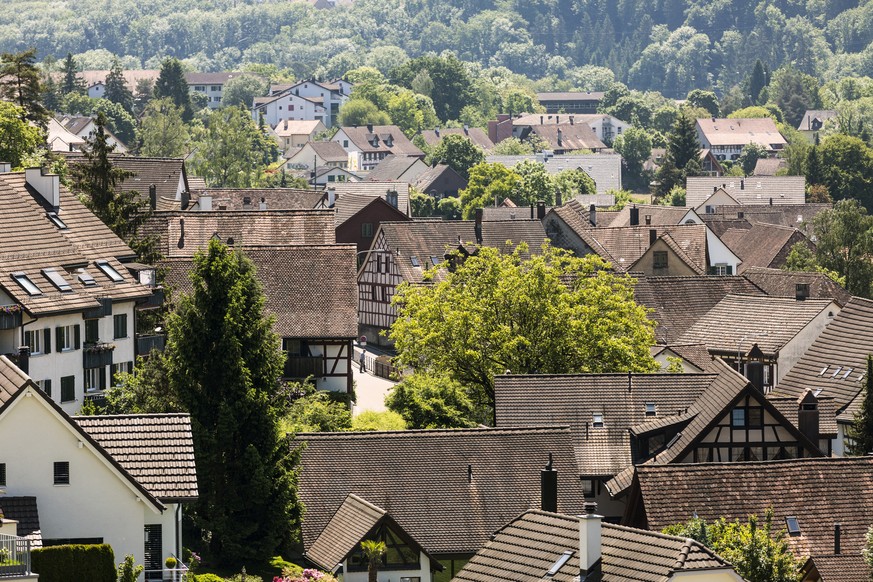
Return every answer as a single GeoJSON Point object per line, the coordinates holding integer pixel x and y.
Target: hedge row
{"type": "Point", "coordinates": [94, 563]}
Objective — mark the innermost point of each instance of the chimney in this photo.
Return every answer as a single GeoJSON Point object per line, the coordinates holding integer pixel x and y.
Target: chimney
{"type": "Point", "coordinates": [808, 417]}
{"type": "Point", "coordinates": [560, 138]}
{"type": "Point", "coordinates": [436, 131]}
{"type": "Point", "coordinates": [801, 291]}
{"type": "Point", "coordinates": [592, 215]}
{"type": "Point", "coordinates": [5, 167]}
{"type": "Point", "coordinates": [714, 189]}
{"type": "Point", "coordinates": [549, 488]}
{"type": "Point", "coordinates": [262, 205]}
{"type": "Point", "coordinates": [186, 200]}
{"type": "Point", "coordinates": [742, 184]}
{"type": "Point", "coordinates": [205, 202]}
{"type": "Point", "coordinates": [589, 541]}
{"type": "Point", "coordinates": [478, 226]}
{"type": "Point", "coordinates": [153, 197]}
{"type": "Point", "coordinates": [541, 119]}
{"type": "Point", "coordinates": [541, 209]}
{"type": "Point", "coordinates": [634, 216]}
{"type": "Point", "coordinates": [48, 185]}
{"type": "Point", "coordinates": [331, 197]}
{"type": "Point", "coordinates": [837, 532]}
{"type": "Point", "coordinates": [466, 129]}
{"type": "Point", "coordinates": [653, 236]}
{"type": "Point", "coordinates": [557, 119]}
{"type": "Point", "coordinates": [370, 127]}
{"type": "Point", "coordinates": [24, 360]}
{"type": "Point", "coordinates": [559, 198]}
{"type": "Point", "coordinates": [532, 214]}
{"type": "Point", "coordinates": [571, 120]}
{"type": "Point", "coordinates": [771, 202]}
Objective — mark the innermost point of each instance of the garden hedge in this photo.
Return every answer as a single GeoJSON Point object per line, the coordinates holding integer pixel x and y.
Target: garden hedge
{"type": "Point", "coordinates": [94, 563]}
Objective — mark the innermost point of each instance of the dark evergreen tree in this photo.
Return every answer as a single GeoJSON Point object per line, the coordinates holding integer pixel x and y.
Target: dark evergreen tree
{"type": "Point", "coordinates": [71, 82]}
{"type": "Point", "coordinates": [20, 83]}
{"type": "Point", "coordinates": [861, 432]}
{"type": "Point", "coordinates": [683, 155]}
{"type": "Point", "coordinates": [757, 82]}
{"type": "Point", "coordinates": [116, 87]}
{"type": "Point", "coordinates": [171, 83]}
{"type": "Point", "coordinates": [814, 170]}
{"type": "Point", "coordinates": [224, 363]}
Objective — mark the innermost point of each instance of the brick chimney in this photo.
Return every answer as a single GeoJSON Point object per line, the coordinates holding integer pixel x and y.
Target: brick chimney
{"type": "Point", "coordinates": [592, 215]}
{"type": "Point", "coordinates": [541, 209]}
{"type": "Point", "coordinates": [589, 542]}
{"type": "Point", "coordinates": [47, 185]}
{"type": "Point", "coordinates": [653, 235]}
{"type": "Point", "coordinates": [634, 216]}
{"type": "Point", "coordinates": [153, 197]}
{"type": "Point", "coordinates": [549, 488]}
{"type": "Point", "coordinates": [478, 226]}
{"type": "Point", "coordinates": [808, 417]}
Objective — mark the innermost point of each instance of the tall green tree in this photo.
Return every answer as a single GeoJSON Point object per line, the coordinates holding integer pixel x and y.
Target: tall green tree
{"type": "Point", "coordinates": [20, 83]}
{"type": "Point", "coordinates": [757, 82]}
{"type": "Point", "coordinates": [861, 431]}
{"type": "Point", "coordinates": [847, 168]}
{"type": "Point", "coordinates": [551, 313]}
{"type": "Point", "coordinates": [224, 363]}
{"type": "Point", "coordinates": [489, 184]}
{"type": "Point", "coordinates": [452, 86]}
{"type": "Point", "coordinates": [230, 152]}
{"type": "Point", "coordinates": [844, 244]}
{"type": "Point", "coordinates": [171, 83]}
{"type": "Point", "coordinates": [70, 80]}
{"type": "Point", "coordinates": [635, 147]}
{"type": "Point", "coordinates": [162, 131]}
{"type": "Point", "coordinates": [426, 401]}
{"type": "Point", "coordinates": [116, 87]}
{"type": "Point", "coordinates": [242, 90]}
{"type": "Point", "coordinates": [19, 138]}
{"type": "Point", "coordinates": [458, 152]}
{"type": "Point", "coordinates": [683, 155]}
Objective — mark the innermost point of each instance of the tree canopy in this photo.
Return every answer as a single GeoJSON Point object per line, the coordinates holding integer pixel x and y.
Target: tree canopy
{"type": "Point", "coordinates": [458, 152]}
{"type": "Point", "coordinates": [19, 137]}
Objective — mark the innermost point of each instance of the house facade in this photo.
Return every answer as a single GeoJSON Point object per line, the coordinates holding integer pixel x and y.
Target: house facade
{"type": "Point", "coordinates": [725, 138]}
{"type": "Point", "coordinates": [211, 85]}
{"type": "Point", "coordinates": [368, 145]}
{"type": "Point", "coordinates": [279, 107]}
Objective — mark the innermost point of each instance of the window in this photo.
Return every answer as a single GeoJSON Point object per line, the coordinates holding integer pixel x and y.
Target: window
{"type": "Point", "coordinates": [86, 278]}
{"type": "Point", "coordinates": [660, 259]}
{"type": "Point", "coordinates": [57, 280]}
{"type": "Point", "coordinates": [738, 417]}
{"type": "Point", "coordinates": [68, 388]}
{"type": "Point", "coordinates": [414, 261]}
{"type": "Point", "coordinates": [26, 284]}
{"type": "Point", "coordinates": [292, 346]}
{"type": "Point", "coordinates": [119, 324]}
{"type": "Point", "coordinates": [214, 88]}
{"type": "Point", "coordinates": [34, 340]}
{"type": "Point", "coordinates": [92, 331]}
{"type": "Point", "coordinates": [2, 474]}
{"type": "Point", "coordinates": [62, 473]}
{"type": "Point", "coordinates": [435, 261]}
{"type": "Point", "coordinates": [562, 559]}
{"type": "Point", "coordinates": [109, 271]}
{"type": "Point", "coordinates": [120, 368]}
{"type": "Point", "coordinates": [45, 386]}
{"type": "Point", "coordinates": [56, 220]}
{"type": "Point", "coordinates": [650, 409]}
{"type": "Point", "coordinates": [391, 197]}
{"type": "Point", "coordinates": [598, 420]}
{"type": "Point", "coordinates": [345, 143]}
{"type": "Point", "coordinates": [95, 379]}
{"type": "Point", "coordinates": [199, 88]}
{"type": "Point", "coordinates": [750, 417]}
{"type": "Point", "coordinates": [792, 525]}
{"type": "Point", "coordinates": [67, 337]}
{"type": "Point", "coordinates": [721, 269]}
{"type": "Point", "coordinates": [588, 489]}
{"type": "Point", "coordinates": [331, 178]}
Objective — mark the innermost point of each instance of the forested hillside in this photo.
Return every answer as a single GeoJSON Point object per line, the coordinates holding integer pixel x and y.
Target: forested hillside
{"type": "Point", "coordinates": [670, 46]}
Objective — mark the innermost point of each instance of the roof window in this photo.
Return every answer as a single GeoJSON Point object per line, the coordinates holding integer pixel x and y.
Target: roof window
{"type": "Point", "coordinates": [823, 370]}
{"type": "Point", "coordinates": [26, 284]}
{"type": "Point", "coordinates": [57, 280]}
{"type": "Point", "coordinates": [56, 220]}
{"type": "Point", "coordinates": [86, 278]}
{"type": "Point", "coordinates": [837, 371]}
{"type": "Point", "coordinates": [597, 420]}
{"type": "Point", "coordinates": [846, 374]}
{"type": "Point", "coordinates": [650, 409]}
{"type": "Point", "coordinates": [435, 260]}
{"type": "Point", "coordinates": [562, 559]}
{"type": "Point", "coordinates": [109, 271]}
{"type": "Point", "coordinates": [415, 262]}
{"type": "Point", "coordinates": [792, 525]}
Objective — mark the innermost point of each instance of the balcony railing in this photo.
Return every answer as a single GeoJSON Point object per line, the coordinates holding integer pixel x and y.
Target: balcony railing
{"type": "Point", "coordinates": [146, 343]}
{"type": "Point", "coordinates": [14, 556]}
{"type": "Point", "coordinates": [97, 355]}
{"type": "Point", "coordinates": [304, 366]}
{"type": "Point", "coordinates": [10, 316]}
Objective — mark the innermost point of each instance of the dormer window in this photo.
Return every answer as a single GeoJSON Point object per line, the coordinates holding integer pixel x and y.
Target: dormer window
{"type": "Point", "coordinates": [56, 220]}
{"type": "Point", "coordinates": [109, 271]}
{"type": "Point", "coordinates": [24, 281]}
{"type": "Point", "coordinates": [57, 280]}
{"type": "Point", "coordinates": [86, 279]}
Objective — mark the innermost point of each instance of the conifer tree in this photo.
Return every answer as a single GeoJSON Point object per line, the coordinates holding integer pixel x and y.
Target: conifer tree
{"type": "Point", "coordinates": [683, 155]}
{"type": "Point", "coordinates": [116, 87]}
{"type": "Point", "coordinates": [71, 82]}
{"type": "Point", "coordinates": [757, 81]}
{"type": "Point", "coordinates": [171, 83]}
{"type": "Point", "coordinates": [861, 432]}
{"type": "Point", "coordinates": [20, 83]}
{"type": "Point", "coordinates": [814, 171]}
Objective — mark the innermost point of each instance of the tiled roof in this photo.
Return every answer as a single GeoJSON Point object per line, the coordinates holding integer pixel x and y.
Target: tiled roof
{"type": "Point", "coordinates": [329, 151]}
{"type": "Point", "coordinates": [165, 173]}
{"type": "Point", "coordinates": [570, 96]}
{"type": "Point", "coordinates": [449, 489]}
{"type": "Point", "coordinates": [819, 492]}
{"type": "Point", "coordinates": [762, 245]}
{"type": "Point", "coordinates": [491, 213]}
{"type": "Point", "coordinates": [275, 198]}
{"type": "Point", "coordinates": [728, 132]}
{"type": "Point", "coordinates": [11, 380]}
{"type": "Point", "coordinates": [573, 399]}
{"type": "Point", "coordinates": [475, 134]}
{"type": "Point", "coordinates": [839, 568]}
{"type": "Point", "coordinates": [794, 215]}
{"type": "Point", "coordinates": [24, 510]}
{"type": "Point", "coordinates": [528, 547]}
{"type": "Point", "coordinates": [558, 119]}
{"type": "Point", "coordinates": [348, 205]}
{"type": "Point", "coordinates": [604, 169]}
{"type": "Point", "coordinates": [679, 302]}
{"type": "Point", "coordinates": [568, 137]}
{"type": "Point", "coordinates": [789, 408]}
{"type": "Point", "coordinates": [183, 233]}
{"type": "Point", "coordinates": [738, 322]}
{"type": "Point", "coordinates": [757, 190]}
{"type": "Point", "coordinates": [425, 180]}
{"type": "Point", "coordinates": [392, 168]}
{"type": "Point", "coordinates": [769, 166]}
{"type": "Point", "coordinates": [779, 283]}
{"type": "Point", "coordinates": [362, 136]}
{"type": "Point", "coordinates": [289, 127]}
{"type": "Point", "coordinates": [650, 214]}
{"type": "Point", "coordinates": [819, 114]}
{"type": "Point", "coordinates": [694, 354]}
{"type": "Point", "coordinates": [311, 290]}
{"type": "Point", "coordinates": [217, 78]}
{"type": "Point", "coordinates": [354, 519]}
{"type": "Point", "coordinates": [842, 347]}
{"type": "Point", "coordinates": [93, 77]}
{"type": "Point", "coordinates": [155, 449]}
{"type": "Point", "coordinates": [625, 245]}
{"type": "Point", "coordinates": [424, 239]}
{"type": "Point", "coordinates": [381, 189]}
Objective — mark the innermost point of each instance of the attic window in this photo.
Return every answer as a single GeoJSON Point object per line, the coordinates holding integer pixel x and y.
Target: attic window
{"type": "Point", "coordinates": [837, 371]}
{"type": "Point", "coordinates": [792, 525]}
{"type": "Point", "coordinates": [26, 284]}
{"type": "Point", "coordinates": [57, 280]}
{"type": "Point", "coordinates": [435, 260]}
{"type": "Point", "coordinates": [823, 370]}
{"type": "Point", "coordinates": [109, 271]}
{"type": "Point", "coordinates": [562, 559]}
{"type": "Point", "coordinates": [414, 261]}
{"type": "Point", "coordinates": [598, 420]}
{"type": "Point", "coordinates": [650, 409]}
{"type": "Point", "coordinates": [86, 279]}
{"type": "Point", "coordinates": [56, 220]}
{"type": "Point", "coordinates": [846, 374]}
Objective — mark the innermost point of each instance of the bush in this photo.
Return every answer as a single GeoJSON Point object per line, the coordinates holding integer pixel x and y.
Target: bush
{"type": "Point", "coordinates": [208, 578]}
{"type": "Point", "coordinates": [95, 563]}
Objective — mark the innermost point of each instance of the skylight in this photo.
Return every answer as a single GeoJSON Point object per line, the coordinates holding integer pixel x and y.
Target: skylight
{"type": "Point", "coordinates": [598, 420]}
{"type": "Point", "coordinates": [562, 559]}
{"type": "Point", "coordinates": [846, 374]}
{"type": "Point", "coordinates": [56, 220]}
{"type": "Point", "coordinates": [435, 260]}
{"type": "Point", "coordinates": [837, 371]}
{"type": "Point", "coordinates": [109, 271]}
{"type": "Point", "coordinates": [823, 370]}
{"type": "Point", "coordinates": [86, 278]}
{"type": "Point", "coordinates": [57, 280]}
{"type": "Point", "coordinates": [650, 409]}
{"type": "Point", "coordinates": [26, 284]}
{"type": "Point", "coordinates": [415, 262]}
{"type": "Point", "coordinates": [793, 526]}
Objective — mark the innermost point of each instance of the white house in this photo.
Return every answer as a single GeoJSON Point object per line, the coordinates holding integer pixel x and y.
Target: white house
{"type": "Point", "coordinates": [368, 145]}
{"type": "Point", "coordinates": [211, 85]}
{"type": "Point", "coordinates": [118, 480]}
{"type": "Point", "coordinates": [286, 105]}
{"type": "Point", "coordinates": [317, 154]}
{"type": "Point", "coordinates": [293, 135]}
{"type": "Point", "coordinates": [605, 127]}
{"type": "Point", "coordinates": [65, 295]}
{"type": "Point", "coordinates": [725, 138]}
{"type": "Point", "coordinates": [706, 193]}
{"type": "Point", "coordinates": [330, 95]}
{"type": "Point", "coordinates": [84, 127]}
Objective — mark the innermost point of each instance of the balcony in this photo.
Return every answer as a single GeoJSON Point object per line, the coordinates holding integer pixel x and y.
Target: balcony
{"type": "Point", "coordinates": [146, 343]}
{"type": "Point", "coordinates": [97, 355]}
{"type": "Point", "coordinates": [153, 301]}
{"type": "Point", "coordinates": [10, 316]}
{"type": "Point", "coordinates": [299, 367]}
{"type": "Point", "coordinates": [15, 558]}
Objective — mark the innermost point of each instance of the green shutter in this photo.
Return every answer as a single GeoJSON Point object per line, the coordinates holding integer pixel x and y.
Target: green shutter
{"type": "Point", "coordinates": [58, 335]}
{"type": "Point", "coordinates": [47, 340]}
{"type": "Point", "coordinates": [47, 386]}
{"type": "Point", "coordinates": [78, 336]}
{"type": "Point", "coordinates": [729, 270]}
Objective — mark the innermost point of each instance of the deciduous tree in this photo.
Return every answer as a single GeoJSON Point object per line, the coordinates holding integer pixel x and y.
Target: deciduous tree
{"type": "Point", "coordinates": [458, 152]}
{"type": "Point", "coordinates": [230, 153]}
{"type": "Point", "coordinates": [861, 431]}
{"type": "Point", "coordinates": [242, 90]}
{"type": "Point", "coordinates": [19, 138]}
{"type": "Point", "coordinates": [427, 401]}
{"type": "Point", "coordinates": [844, 244]}
{"type": "Point", "coordinates": [162, 131]}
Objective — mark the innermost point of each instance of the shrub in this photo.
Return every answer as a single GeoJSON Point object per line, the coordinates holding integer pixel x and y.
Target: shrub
{"type": "Point", "coordinates": [95, 563]}
{"type": "Point", "coordinates": [208, 578]}
{"type": "Point", "coordinates": [128, 571]}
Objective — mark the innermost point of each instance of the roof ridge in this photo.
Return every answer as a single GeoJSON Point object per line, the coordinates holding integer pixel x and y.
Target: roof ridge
{"type": "Point", "coordinates": [435, 431]}
{"type": "Point", "coordinates": [140, 415]}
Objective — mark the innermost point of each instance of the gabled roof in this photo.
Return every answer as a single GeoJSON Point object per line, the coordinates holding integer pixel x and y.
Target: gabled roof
{"type": "Point", "coordinates": [155, 449]}
{"type": "Point", "coordinates": [780, 283]}
{"type": "Point", "coordinates": [25, 511]}
{"type": "Point", "coordinates": [754, 190]}
{"type": "Point", "coordinates": [727, 132]}
{"type": "Point", "coordinates": [531, 119]}
{"type": "Point", "coordinates": [625, 245]}
{"type": "Point", "coordinates": [837, 568]}
{"type": "Point", "coordinates": [165, 173]}
{"type": "Point", "coordinates": [762, 245]}
{"type": "Point", "coordinates": [448, 489]}
{"type": "Point", "coordinates": [329, 151]}
{"type": "Point", "coordinates": [574, 399]}
{"type": "Point", "coordinates": [349, 205]}
{"type": "Point", "coordinates": [769, 166]}
{"type": "Point", "coordinates": [528, 547]}
{"type": "Point", "coordinates": [820, 115]}
{"type": "Point", "coordinates": [392, 168]}
{"type": "Point", "coordinates": [836, 362]}
{"type": "Point", "coordinates": [578, 136]}
{"type": "Point", "coordinates": [649, 215]}
{"type": "Point", "coordinates": [604, 169]}
{"type": "Point", "coordinates": [739, 322]}
{"type": "Point", "coordinates": [819, 492]}
{"type": "Point", "coordinates": [289, 127]}
{"type": "Point", "coordinates": [363, 137]}
{"type": "Point", "coordinates": [217, 78]}
{"type": "Point", "coordinates": [311, 290]}
{"type": "Point", "coordinates": [381, 189]}
{"type": "Point", "coordinates": [275, 198]}
{"type": "Point", "coordinates": [424, 182]}
{"type": "Point", "coordinates": [798, 216]}
{"type": "Point", "coordinates": [477, 135]}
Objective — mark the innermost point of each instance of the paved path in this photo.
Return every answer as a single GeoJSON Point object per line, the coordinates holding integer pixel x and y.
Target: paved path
{"type": "Point", "coordinates": [369, 389]}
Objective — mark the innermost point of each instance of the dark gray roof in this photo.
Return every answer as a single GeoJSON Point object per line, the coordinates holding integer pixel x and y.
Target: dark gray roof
{"type": "Point", "coordinates": [24, 510]}
{"type": "Point", "coordinates": [475, 134]}
{"type": "Point", "coordinates": [392, 168]}
{"type": "Point", "coordinates": [165, 173]}
{"type": "Point", "coordinates": [780, 283]}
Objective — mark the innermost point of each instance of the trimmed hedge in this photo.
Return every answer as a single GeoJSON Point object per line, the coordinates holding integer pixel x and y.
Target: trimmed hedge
{"type": "Point", "coordinates": [95, 563]}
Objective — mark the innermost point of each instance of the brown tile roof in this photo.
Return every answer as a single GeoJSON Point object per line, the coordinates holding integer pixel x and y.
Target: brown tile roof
{"type": "Point", "coordinates": [426, 179]}
{"type": "Point", "coordinates": [475, 134]}
{"type": "Point", "coordinates": [362, 136]}
{"type": "Point", "coordinates": [528, 547]}
{"type": "Point", "coordinates": [311, 290]}
{"type": "Point", "coordinates": [650, 214]}
{"type": "Point", "coordinates": [761, 131]}
{"type": "Point", "coordinates": [164, 173]}
{"type": "Point", "coordinates": [842, 347]}
{"type": "Point", "coordinates": [217, 78]}
{"type": "Point", "coordinates": [329, 151]}
{"type": "Point", "coordinates": [779, 283]}
{"type": "Point", "coordinates": [24, 510]}
{"type": "Point", "coordinates": [573, 399]}
{"type": "Point", "coordinates": [275, 198]}
{"type": "Point", "coordinates": [11, 380]}
{"type": "Point", "coordinates": [626, 245]}
{"type": "Point", "coordinates": [392, 168]}
{"type": "Point", "coordinates": [738, 322]}
{"type": "Point", "coordinates": [762, 245]}
{"type": "Point", "coordinates": [348, 205]}
{"type": "Point", "coordinates": [755, 190]}
{"type": "Point", "coordinates": [354, 519]}
{"type": "Point", "coordinates": [183, 233]}
{"type": "Point", "coordinates": [789, 408]}
{"type": "Point", "coordinates": [819, 492]}
{"type": "Point", "coordinates": [289, 127]}
{"type": "Point", "coordinates": [821, 115]}
{"type": "Point", "coordinates": [424, 239]}
{"type": "Point", "coordinates": [839, 568]}
{"type": "Point", "coordinates": [449, 489]}
{"type": "Point", "coordinates": [794, 215]}
{"type": "Point", "coordinates": [695, 354]}
{"type": "Point", "coordinates": [568, 137]}
{"type": "Point", "coordinates": [380, 189]}
{"type": "Point", "coordinates": [769, 166]}
{"type": "Point", "coordinates": [155, 449]}
{"type": "Point", "coordinates": [679, 302]}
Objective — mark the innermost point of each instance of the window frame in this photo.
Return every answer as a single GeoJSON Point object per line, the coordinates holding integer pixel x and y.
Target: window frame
{"type": "Point", "coordinates": [659, 259]}
{"type": "Point", "coordinates": [68, 384]}
{"type": "Point", "coordinates": [120, 317]}
{"type": "Point", "coordinates": [61, 473]}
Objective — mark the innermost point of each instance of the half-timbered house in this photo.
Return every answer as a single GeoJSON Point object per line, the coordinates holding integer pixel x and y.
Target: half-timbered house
{"type": "Point", "coordinates": [403, 251]}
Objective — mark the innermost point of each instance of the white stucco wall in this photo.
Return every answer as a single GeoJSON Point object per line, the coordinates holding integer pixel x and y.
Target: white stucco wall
{"type": "Point", "coordinates": [279, 110]}
{"type": "Point", "coordinates": [334, 384]}
{"type": "Point", "coordinates": [97, 503]}
{"type": "Point", "coordinates": [797, 346]}
{"type": "Point", "coordinates": [393, 575]}
{"type": "Point", "coordinates": [719, 253]}
{"type": "Point", "coordinates": [707, 576]}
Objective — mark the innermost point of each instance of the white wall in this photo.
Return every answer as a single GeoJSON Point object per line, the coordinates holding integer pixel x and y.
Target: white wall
{"type": "Point", "coordinates": [280, 110]}
{"type": "Point", "coordinates": [392, 575]}
{"type": "Point", "coordinates": [719, 253]}
{"type": "Point", "coordinates": [792, 351]}
{"type": "Point", "coordinates": [334, 384]}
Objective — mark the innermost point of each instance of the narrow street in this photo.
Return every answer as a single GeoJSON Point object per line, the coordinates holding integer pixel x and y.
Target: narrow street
{"type": "Point", "coordinates": [370, 389]}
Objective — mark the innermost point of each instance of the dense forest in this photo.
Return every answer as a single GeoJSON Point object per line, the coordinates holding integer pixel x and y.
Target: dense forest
{"type": "Point", "coordinates": [671, 46]}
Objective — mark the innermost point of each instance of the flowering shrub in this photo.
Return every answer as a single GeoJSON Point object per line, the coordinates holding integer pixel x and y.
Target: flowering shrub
{"type": "Point", "coordinates": [307, 576]}
{"type": "Point", "coordinates": [10, 309]}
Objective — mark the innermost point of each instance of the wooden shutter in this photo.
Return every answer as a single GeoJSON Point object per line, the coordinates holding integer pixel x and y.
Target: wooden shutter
{"type": "Point", "coordinates": [77, 330]}
{"type": "Point", "coordinates": [47, 386]}
{"type": "Point", "coordinates": [47, 340]}
{"type": "Point", "coordinates": [58, 336]}
{"type": "Point", "coordinates": [103, 378]}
